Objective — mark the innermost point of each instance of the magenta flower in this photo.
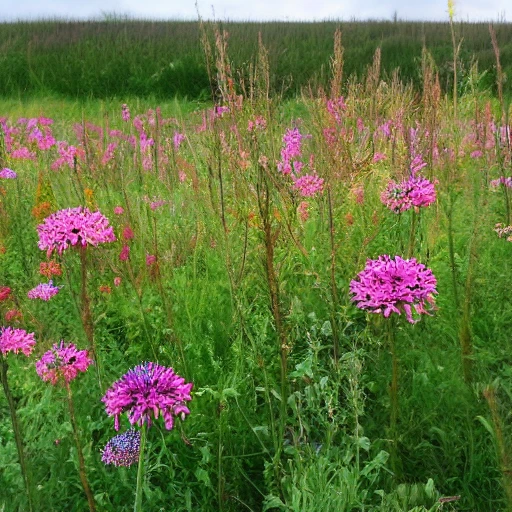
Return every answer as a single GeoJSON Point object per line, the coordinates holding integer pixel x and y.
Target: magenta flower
{"type": "Point", "coordinates": [122, 450]}
{"type": "Point", "coordinates": [118, 210]}
{"type": "Point", "coordinates": [506, 182]}
{"type": "Point", "coordinates": [414, 192]}
{"type": "Point", "coordinates": [43, 291]}
{"type": "Point", "coordinates": [309, 185]}
{"type": "Point", "coordinates": [62, 362]}
{"type": "Point", "coordinates": [124, 255]}
{"type": "Point", "coordinates": [73, 226]}
{"type": "Point", "coordinates": [178, 139]}
{"type": "Point", "coordinates": [125, 112]}
{"type": "Point", "coordinates": [16, 340]}
{"type": "Point", "coordinates": [394, 285]}
{"type": "Point", "coordinates": [8, 174]}
{"type": "Point", "coordinates": [150, 259]}
{"type": "Point", "coordinates": [148, 391]}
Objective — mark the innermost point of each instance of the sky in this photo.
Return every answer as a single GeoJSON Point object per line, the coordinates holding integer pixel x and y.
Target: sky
{"type": "Point", "coordinates": [258, 10]}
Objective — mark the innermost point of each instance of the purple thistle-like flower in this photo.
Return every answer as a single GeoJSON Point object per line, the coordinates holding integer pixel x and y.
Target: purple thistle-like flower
{"type": "Point", "coordinates": [16, 340]}
{"type": "Point", "coordinates": [394, 285]}
{"type": "Point", "coordinates": [148, 391]}
{"type": "Point", "coordinates": [74, 226]}
{"type": "Point", "coordinates": [8, 174]}
{"type": "Point", "coordinates": [43, 291]}
{"type": "Point", "coordinates": [62, 362]}
{"type": "Point", "coordinates": [122, 450]}
{"type": "Point", "coordinates": [414, 192]}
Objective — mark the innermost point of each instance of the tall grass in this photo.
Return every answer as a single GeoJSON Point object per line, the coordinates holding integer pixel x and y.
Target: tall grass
{"type": "Point", "coordinates": [122, 57]}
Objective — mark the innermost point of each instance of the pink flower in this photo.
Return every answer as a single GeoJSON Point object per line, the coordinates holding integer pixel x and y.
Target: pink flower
{"type": "Point", "coordinates": [73, 226]}
{"type": "Point", "coordinates": [146, 392]}
{"type": "Point", "coordinates": [16, 340]}
{"type": "Point", "coordinates": [178, 139]}
{"type": "Point", "coordinates": [43, 291]}
{"type": "Point", "coordinates": [377, 157]}
{"type": "Point", "coordinates": [125, 112]}
{"type": "Point", "coordinates": [117, 281]}
{"type": "Point", "coordinates": [393, 286]}
{"type": "Point", "coordinates": [303, 211]}
{"type": "Point", "coordinates": [119, 210]}
{"type": "Point", "coordinates": [8, 174]}
{"type": "Point", "coordinates": [5, 293]}
{"type": "Point", "coordinates": [309, 185]}
{"type": "Point", "coordinates": [128, 233]}
{"type": "Point", "coordinates": [62, 362]}
{"type": "Point", "coordinates": [414, 192]}
{"type": "Point", "coordinates": [125, 253]}
{"type": "Point", "coordinates": [476, 154]}
{"type": "Point", "coordinates": [13, 315]}
{"type": "Point", "coordinates": [150, 259]}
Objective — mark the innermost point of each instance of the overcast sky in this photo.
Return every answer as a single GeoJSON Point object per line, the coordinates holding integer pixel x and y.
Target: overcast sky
{"type": "Point", "coordinates": [344, 10]}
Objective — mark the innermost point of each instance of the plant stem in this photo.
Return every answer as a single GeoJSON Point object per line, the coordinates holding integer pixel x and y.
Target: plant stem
{"type": "Point", "coordinates": [393, 392]}
{"type": "Point", "coordinates": [140, 470]}
{"type": "Point", "coordinates": [81, 460]}
{"type": "Point", "coordinates": [412, 234]}
{"type": "Point", "coordinates": [16, 428]}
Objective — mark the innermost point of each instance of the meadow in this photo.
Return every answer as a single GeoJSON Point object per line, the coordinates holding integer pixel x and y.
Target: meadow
{"type": "Point", "coordinates": [278, 303]}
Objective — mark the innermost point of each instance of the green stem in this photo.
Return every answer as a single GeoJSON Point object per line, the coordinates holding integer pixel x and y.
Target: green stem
{"type": "Point", "coordinates": [393, 391]}
{"type": "Point", "coordinates": [140, 470]}
{"type": "Point", "coordinates": [16, 428]}
{"type": "Point", "coordinates": [81, 460]}
{"type": "Point", "coordinates": [412, 234]}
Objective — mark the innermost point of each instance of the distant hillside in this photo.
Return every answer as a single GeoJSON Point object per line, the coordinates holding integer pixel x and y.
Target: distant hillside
{"type": "Point", "coordinates": [165, 59]}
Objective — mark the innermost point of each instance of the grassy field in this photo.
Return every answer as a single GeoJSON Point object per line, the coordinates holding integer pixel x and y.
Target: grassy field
{"type": "Point", "coordinates": [122, 58]}
{"type": "Point", "coordinates": [331, 272]}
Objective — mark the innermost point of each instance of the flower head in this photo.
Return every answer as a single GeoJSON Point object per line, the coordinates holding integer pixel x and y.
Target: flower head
{"type": "Point", "coordinates": [8, 174]}
{"type": "Point", "coordinates": [414, 192]}
{"type": "Point", "coordinates": [62, 362]}
{"type": "Point", "coordinates": [148, 391]}
{"type": "Point", "coordinates": [43, 291]}
{"type": "Point", "coordinates": [122, 450]}
{"type": "Point", "coordinates": [16, 340]}
{"type": "Point", "coordinates": [5, 293]}
{"type": "Point", "coordinates": [394, 285]}
{"type": "Point", "coordinates": [73, 226]}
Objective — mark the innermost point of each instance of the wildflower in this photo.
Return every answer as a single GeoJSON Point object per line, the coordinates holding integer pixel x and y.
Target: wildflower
{"type": "Point", "coordinates": [117, 281]}
{"type": "Point", "coordinates": [503, 230]}
{"type": "Point", "coordinates": [150, 259]}
{"type": "Point", "coordinates": [309, 185]}
{"type": "Point", "coordinates": [154, 205]}
{"type": "Point", "coordinates": [476, 154]}
{"type": "Point", "coordinates": [125, 253]}
{"type": "Point", "coordinates": [119, 210]}
{"type": "Point", "coordinates": [292, 141]}
{"type": "Point", "coordinates": [122, 450]}
{"type": "Point", "coordinates": [50, 268]}
{"type": "Point", "coordinates": [148, 391]}
{"type": "Point", "coordinates": [62, 362]}
{"type": "Point", "coordinates": [105, 288]}
{"type": "Point", "coordinates": [8, 174]}
{"type": "Point", "coordinates": [128, 233]}
{"type": "Point", "coordinates": [125, 112]}
{"type": "Point", "coordinates": [415, 191]}
{"type": "Point", "coordinates": [16, 340]}
{"type": "Point", "coordinates": [43, 291]}
{"type": "Point", "coordinates": [13, 315]}
{"type": "Point", "coordinates": [394, 285]}
{"type": "Point", "coordinates": [377, 157]}
{"type": "Point", "coordinates": [303, 211]}
{"type": "Point", "coordinates": [506, 182]}
{"type": "Point", "coordinates": [178, 139]}
{"type": "Point", "coordinates": [5, 293]}
{"type": "Point", "coordinates": [73, 226]}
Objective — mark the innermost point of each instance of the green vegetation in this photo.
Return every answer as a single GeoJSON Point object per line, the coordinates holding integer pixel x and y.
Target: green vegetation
{"type": "Point", "coordinates": [122, 57]}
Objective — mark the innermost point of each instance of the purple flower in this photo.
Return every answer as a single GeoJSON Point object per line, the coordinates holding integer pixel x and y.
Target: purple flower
{"type": "Point", "coordinates": [122, 450]}
{"type": "Point", "coordinates": [73, 226]}
{"type": "Point", "coordinates": [309, 185]}
{"type": "Point", "coordinates": [8, 174]}
{"type": "Point", "coordinates": [178, 139]}
{"type": "Point", "coordinates": [16, 340]}
{"type": "Point", "coordinates": [148, 391]}
{"type": "Point", "coordinates": [506, 182]}
{"type": "Point", "coordinates": [415, 191]}
{"type": "Point", "coordinates": [62, 362]}
{"type": "Point", "coordinates": [125, 112]}
{"type": "Point", "coordinates": [394, 285]}
{"type": "Point", "coordinates": [43, 291]}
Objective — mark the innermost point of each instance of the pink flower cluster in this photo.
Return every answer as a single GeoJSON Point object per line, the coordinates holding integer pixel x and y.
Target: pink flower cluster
{"type": "Point", "coordinates": [8, 174]}
{"type": "Point", "coordinates": [122, 450]}
{"type": "Point", "coordinates": [16, 340]}
{"type": "Point", "coordinates": [394, 286]}
{"type": "Point", "coordinates": [73, 226]}
{"type": "Point", "coordinates": [413, 192]}
{"type": "Point", "coordinates": [43, 291]}
{"type": "Point", "coordinates": [148, 391]}
{"type": "Point", "coordinates": [503, 230]}
{"type": "Point", "coordinates": [506, 182]}
{"type": "Point", "coordinates": [62, 362]}
{"type": "Point", "coordinates": [309, 185]}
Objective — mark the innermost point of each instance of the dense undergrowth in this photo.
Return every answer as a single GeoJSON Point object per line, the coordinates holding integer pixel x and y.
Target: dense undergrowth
{"type": "Point", "coordinates": [229, 269]}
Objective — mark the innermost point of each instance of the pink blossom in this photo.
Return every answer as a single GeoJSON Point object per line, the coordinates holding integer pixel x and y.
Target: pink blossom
{"type": "Point", "coordinates": [73, 226]}
{"type": "Point", "coordinates": [377, 157]}
{"type": "Point", "coordinates": [117, 281]}
{"type": "Point", "coordinates": [414, 192]}
{"type": "Point", "coordinates": [178, 139]}
{"type": "Point", "coordinates": [125, 112]}
{"type": "Point", "coordinates": [309, 185]}
{"type": "Point", "coordinates": [394, 286]}
{"type": "Point", "coordinates": [150, 259]}
{"type": "Point", "coordinates": [62, 362]}
{"type": "Point", "coordinates": [146, 392]}
{"type": "Point", "coordinates": [8, 174]}
{"type": "Point", "coordinates": [119, 210]}
{"type": "Point", "coordinates": [43, 291]}
{"type": "Point", "coordinates": [125, 253]}
{"type": "Point", "coordinates": [16, 340]}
